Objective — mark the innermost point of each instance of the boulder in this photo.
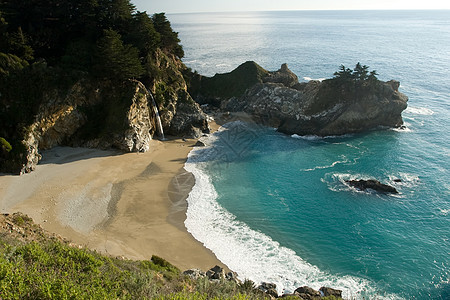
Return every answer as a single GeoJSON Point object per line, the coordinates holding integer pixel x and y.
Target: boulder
{"type": "Point", "coordinates": [307, 293]}
{"type": "Point", "coordinates": [269, 288]}
{"type": "Point", "coordinates": [232, 276]}
{"type": "Point", "coordinates": [194, 273]}
{"type": "Point", "coordinates": [327, 291]}
{"type": "Point", "coordinates": [373, 185]}
{"type": "Point", "coordinates": [216, 272]}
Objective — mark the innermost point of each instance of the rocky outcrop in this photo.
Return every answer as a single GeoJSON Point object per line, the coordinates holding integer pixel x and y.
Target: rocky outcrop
{"type": "Point", "coordinates": [215, 273]}
{"type": "Point", "coordinates": [372, 184]}
{"type": "Point", "coordinates": [284, 76]}
{"type": "Point", "coordinates": [180, 114]}
{"type": "Point", "coordinates": [189, 120]}
{"type": "Point", "coordinates": [269, 288]}
{"type": "Point", "coordinates": [308, 293]}
{"type": "Point", "coordinates": [329, 292]}
{"type": "Point", "coordinates": [101, 116]}
{"type": "Point", "coordinates": [329, 107]}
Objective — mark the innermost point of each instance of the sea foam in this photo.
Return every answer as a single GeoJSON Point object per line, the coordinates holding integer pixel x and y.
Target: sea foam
{"type": "Point", "coordinates": [250, 253]}
{"type": "Point", "coordinates": [419, 111]}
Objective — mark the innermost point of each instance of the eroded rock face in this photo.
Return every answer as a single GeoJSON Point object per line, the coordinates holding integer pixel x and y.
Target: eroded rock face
{"type": "Point", "coordinates": [189, 121]}
{"type": "Point", "coordinates": [139, 121]}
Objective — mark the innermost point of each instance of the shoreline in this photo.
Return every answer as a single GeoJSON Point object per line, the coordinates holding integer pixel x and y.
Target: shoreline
{"type": "Point", "coordinates": [132, 205]}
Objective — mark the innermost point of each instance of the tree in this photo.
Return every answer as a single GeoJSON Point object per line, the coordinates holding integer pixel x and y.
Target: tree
{"type": "Point", "coordinates": [143, 34]}
{"type": "Point", "coordinates": [360, 72]}
{"type": "Point", "coordinates": [169, 38]}
{"type": "Point", "coordinates": [343, 73]}
{"type": "Point", "coordinates": [116, 60]}
{"type": "Point", "coordinates": [373, 76]}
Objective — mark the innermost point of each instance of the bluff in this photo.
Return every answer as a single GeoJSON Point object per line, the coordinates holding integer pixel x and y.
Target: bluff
{"type": "Point", "coordinates": [92, 74]}
{"type": "Point", "coordinates": [104, 114]}
{"type": "Point", "coordinates": [331, 107]}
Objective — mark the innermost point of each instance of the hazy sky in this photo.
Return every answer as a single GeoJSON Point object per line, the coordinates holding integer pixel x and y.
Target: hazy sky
{"type": "Point", "coordinates": [180, 6]}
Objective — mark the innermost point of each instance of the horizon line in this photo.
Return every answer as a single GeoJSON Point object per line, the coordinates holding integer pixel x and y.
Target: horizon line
{"type": "Point", "coordinates": [287, 10]}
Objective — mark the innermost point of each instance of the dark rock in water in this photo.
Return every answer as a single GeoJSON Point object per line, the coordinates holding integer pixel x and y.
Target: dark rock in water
{"type": "Point", "coordinates": [307, 293]}
{"type": "Point", "coordinates": [331, 292]}
{"type": "Point", "coordinates": [373, 185]}
{"type": "Point", "coordinates": [199, 144]}
{"type": "Point", "coordinates": [397, 180]}
{"type": "Point", "coordinates": [269, 288]}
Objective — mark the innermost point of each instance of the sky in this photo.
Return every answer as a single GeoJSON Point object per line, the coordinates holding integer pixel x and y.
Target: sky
{"type": "Point", "coordinates": [189, 6]}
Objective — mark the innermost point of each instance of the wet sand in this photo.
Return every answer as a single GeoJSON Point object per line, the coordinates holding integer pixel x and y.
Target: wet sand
{"type": "Point", "coordinates": [130, 205]}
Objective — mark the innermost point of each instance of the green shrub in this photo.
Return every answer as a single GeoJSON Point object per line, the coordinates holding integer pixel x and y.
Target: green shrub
{"type": "Point", "coordinates": [5, 145]}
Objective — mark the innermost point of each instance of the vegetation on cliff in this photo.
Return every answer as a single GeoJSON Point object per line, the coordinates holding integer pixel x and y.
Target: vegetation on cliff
{"type": "Point", "coordinates": [227, 85]}
{"type": "Point", "coordinates": [47, 47]}
{"type": "Point", "coordinates": [347, 85]}
{"type": "Point", "coordinates": [36, 265]}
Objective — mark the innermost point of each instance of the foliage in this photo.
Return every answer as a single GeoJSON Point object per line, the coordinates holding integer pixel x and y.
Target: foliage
{"type": "Point", "coordinates": [46, 45]}
{"type": "Point", "coordinates": [54, 30]}
{"type": "Point", "coordinates": [359, 74]}
{"type": "Point", "coordinates": [346, 86]}
{"type": "Point", "coordinates": [116, 60]}
{"type": "Point", "coordinates": [11, 63]}
{"type": "Point", "coordinates": [6, 146]}
{"type": "Point", "coordinates": [169, 38]}
{"type": "Point", "coordinates": [44, 267]}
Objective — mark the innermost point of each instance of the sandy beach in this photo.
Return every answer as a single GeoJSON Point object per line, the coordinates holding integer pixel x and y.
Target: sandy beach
{"type": "Point", "coordinates": [130, 205]}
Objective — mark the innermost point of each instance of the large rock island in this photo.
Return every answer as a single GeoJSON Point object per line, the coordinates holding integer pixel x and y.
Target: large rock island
{"type": "Point", "coordinates": [353, 101]}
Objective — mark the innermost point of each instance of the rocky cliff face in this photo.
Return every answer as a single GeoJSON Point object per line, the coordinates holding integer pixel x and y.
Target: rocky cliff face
{"type": "Point", "coordinates": [331, 107]}
{"type": "Point", "coordinates": [105, 115]}
{"type": "Point", "coordinates": [180, 114]}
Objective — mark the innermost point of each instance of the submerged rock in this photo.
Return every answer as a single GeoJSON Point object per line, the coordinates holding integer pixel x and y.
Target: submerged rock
{"type": "Point", "coordinates": [373, 185]}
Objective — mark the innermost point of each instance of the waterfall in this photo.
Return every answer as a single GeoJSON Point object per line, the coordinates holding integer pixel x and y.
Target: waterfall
{"type": "Point", "coordinates": [156, 111]}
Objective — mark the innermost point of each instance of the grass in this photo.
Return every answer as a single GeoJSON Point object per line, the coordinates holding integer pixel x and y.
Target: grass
{"type": "Point", "coordinates": [34, 265]}
{"type": "Point", "coordinates": [37, 265]}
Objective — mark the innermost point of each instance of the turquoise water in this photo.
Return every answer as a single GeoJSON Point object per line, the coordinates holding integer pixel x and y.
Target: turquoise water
{"type": "Point", "coordinates": [276, 208]}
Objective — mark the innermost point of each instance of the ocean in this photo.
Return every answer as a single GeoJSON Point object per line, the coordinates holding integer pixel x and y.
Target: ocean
{"type": "Point", "coordinates": [276, 208]}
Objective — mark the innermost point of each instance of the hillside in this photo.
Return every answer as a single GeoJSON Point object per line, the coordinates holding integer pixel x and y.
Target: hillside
{"type": "Point", "coordinates": [78, 74]}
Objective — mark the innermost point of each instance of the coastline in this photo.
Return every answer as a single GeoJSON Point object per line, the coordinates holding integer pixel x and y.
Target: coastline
{"type": "Point", "coordinates": [130, 205]}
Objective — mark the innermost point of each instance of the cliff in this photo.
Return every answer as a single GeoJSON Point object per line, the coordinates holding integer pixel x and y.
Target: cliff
{"type": "Point", "coordinates": [331, 107]}
{"type": "Point", "coordinates": [103, 114]}
{"type": "Point", "coordinates": [80, 75]}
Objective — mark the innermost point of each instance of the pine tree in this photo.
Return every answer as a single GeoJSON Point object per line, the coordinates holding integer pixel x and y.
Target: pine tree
{"type": "Point", "coordinates": [343, 73]}
{"type": "Point", "coordinates": [169, 38]}
{"type": "Point", "coordinates": [361, 72]}
{"type": "Point", "coordinates": [116, 60]}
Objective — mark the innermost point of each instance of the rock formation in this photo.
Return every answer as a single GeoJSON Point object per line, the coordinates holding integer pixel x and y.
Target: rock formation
{"type": "Point", "coordinates": [373, 185]}
{"type": "Point", "coordinates": [330, 107]}
{"type": "Point", "coordinates": [102, 114]}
